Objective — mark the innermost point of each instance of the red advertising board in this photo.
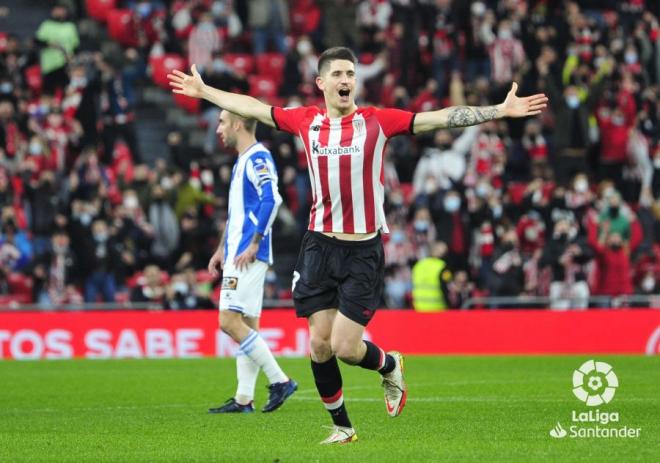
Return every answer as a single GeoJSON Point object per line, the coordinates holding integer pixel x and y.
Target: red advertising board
{"type": "Point", "coordinates": [133, 334]}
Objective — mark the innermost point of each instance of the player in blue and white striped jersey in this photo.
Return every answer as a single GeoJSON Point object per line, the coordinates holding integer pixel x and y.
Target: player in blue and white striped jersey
{"type": "Point", "coordinates": [244, 254]}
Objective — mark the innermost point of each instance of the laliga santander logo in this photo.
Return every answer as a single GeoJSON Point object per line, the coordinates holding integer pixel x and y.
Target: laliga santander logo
{"type": "Point", "coordinates": [595, 383]}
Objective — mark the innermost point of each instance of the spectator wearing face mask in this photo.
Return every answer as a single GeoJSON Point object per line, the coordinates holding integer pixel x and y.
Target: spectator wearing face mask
{"type": "Point", "coordinates": [59, 38]}
{"type": "Point", "coordinates": [507, 54]}
{"type": "Point", "coordinates": [203, 42]}
{"type": "Point", "coordinates": [423, 232]}
{"type": "Point", "coordinates": [614, 275]}
{"type": "Point", "coordinates": [430, 277]}
{"type": "Point", "coordinates": [151, 288]}
{"type": "Point", "coordinates": [452, 228]}
{"type": "Point", "coordinates": [615, 218]}
{"type": "Point", "coordinates": [183, 293]}
{"type": "Point", "coordinates": [566, 254]}
{"type": "Point", "coordinates": [397, 286]}
{"type": "Point", "coordinates": [398, 249]}
{"type": "Point", "coordinates": [56, 273]}
{"type": "Point", "coordinates": [101, 259]}
{"type": "Point", "coordinates": [506, 273]}
{"type": "Point", "coordinates": [571, 135]}
{"type": "Point", "coordinates": [615, 121]}
{"type": "Point", "coordinates": [459, 290]}
{"type": "Point", "coordinates": [443, 163]}
{"type": "Point", "coordinates": [165, 227]}
{"type": "Point", "coordinates": [535, 147]}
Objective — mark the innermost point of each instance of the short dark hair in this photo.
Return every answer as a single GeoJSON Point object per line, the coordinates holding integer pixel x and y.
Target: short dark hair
{"type": "Point", "coordinates": [249, 124]}
{"type": "Point", "coordinates": [334, 53]}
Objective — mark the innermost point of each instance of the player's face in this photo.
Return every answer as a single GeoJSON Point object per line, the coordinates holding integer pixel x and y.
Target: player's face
{"type": "Point", "coordinates": [225, 130]}
{"type": "Point", "coordinates": [337, 83]}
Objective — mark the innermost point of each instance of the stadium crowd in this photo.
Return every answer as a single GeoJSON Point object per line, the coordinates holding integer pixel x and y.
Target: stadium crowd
{"type": "Point", "coordinates": [566, 205]}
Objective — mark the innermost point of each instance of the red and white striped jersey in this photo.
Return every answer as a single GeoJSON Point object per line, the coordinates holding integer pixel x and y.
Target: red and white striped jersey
{"type": "Point", "coordinates": [345, 163]}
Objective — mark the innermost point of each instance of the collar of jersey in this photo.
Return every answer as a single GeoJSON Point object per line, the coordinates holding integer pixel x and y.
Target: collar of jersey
{"type": "Point", "coordinates": [249, 149]}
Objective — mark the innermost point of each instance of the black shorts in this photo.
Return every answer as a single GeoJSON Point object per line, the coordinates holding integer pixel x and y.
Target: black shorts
{"type": "Point", "coordinates": [338, 274]}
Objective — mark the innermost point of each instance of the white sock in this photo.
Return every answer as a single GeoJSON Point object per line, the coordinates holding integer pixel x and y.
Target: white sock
{"type": "Point", "coordinates": [256, 348]}
{"type": "Point", "coordinates": [246, 372]}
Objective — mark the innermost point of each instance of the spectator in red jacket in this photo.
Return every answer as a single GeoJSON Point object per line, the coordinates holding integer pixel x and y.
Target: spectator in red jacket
{"type": "Point", "coordinates": [615, 120]}
{"type": "Point", "coordinates": [614, 268]}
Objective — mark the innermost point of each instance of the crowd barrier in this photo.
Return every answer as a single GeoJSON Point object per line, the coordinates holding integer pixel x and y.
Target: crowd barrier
{"type": "Point", "coordinates": [163, 334]}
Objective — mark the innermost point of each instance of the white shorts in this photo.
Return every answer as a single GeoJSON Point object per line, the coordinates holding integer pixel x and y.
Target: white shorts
{"type": "Point", "coordinates": [243, 290]}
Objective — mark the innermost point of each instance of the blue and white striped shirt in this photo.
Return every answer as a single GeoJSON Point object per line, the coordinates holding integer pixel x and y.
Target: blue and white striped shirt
{"type": "Point", "coordinates": [253, 203]}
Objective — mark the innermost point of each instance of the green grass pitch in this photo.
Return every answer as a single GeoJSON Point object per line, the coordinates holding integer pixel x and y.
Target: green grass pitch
{"type": "Point", "coordinates": [460, 409]}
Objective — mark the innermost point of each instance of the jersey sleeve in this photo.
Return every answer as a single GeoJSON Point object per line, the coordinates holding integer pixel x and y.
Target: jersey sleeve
{"type": "Point", "coordinates": [395, 121]}
{"type": "Point", "coordinates": [288, 119]}
{"type": "Point", "coordinates": [261, 172]}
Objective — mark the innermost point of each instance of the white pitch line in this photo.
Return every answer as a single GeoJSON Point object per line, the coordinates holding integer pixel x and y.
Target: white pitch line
{"type": "Point", "coordinates": [300, 396]}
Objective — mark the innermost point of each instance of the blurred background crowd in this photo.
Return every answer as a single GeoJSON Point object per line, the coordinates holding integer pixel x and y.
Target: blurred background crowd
{"type": "Point", "coordinates": [112, 190]}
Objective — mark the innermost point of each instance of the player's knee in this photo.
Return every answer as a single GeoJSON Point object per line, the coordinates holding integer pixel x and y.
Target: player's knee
{"type": "Point", "coordinates": [229, 323]}
{"type": "Point", "coordinates": [346, 352]}
{"type": "Point", "coordinates": [320, 348]}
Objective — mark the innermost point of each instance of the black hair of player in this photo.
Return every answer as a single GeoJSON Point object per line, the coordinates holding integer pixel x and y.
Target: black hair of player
{"type": "Point", "coordinates": [335, 53]}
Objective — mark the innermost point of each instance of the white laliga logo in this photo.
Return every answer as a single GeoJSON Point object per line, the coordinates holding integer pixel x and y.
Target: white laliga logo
{"type": "Point", "coordinates": [594, 391]}
{"type": "Point", "coordinates": [558, 432]}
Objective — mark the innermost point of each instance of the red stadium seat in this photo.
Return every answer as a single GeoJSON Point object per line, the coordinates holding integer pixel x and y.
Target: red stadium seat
{"type": "Point", "coordinates": [191, 105]}
{"type": "Point", "coordinates": [99, 9]}
{"type": "Point", "coordinates": [240, 62]}
{"type": "Point", "coordinates": [203, 276]}
{"type": "Point", "coordinates": [8, 300]}
{"type": "Point", "coordinates": [163, 65]}
{"type": "Point", "coordinates": [271, 65]}
{"type": "Point", "coordinates": [262, 86]}
{"type": "Point", "coordinates": [20, 285]}
{"type": "Point", "coordinates": [121, 27]}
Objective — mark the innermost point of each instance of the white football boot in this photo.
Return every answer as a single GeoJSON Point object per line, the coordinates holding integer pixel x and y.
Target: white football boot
{"type": "Point", "coordinates": [396, 391]}
{"type": "Point", "coordinates": [340, 435]}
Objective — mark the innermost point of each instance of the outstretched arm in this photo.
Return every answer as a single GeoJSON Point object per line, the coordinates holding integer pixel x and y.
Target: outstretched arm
{"type": "Point", "coordinates": [463, 116]}
{"type": "Point", "coordinates": [246, 106]}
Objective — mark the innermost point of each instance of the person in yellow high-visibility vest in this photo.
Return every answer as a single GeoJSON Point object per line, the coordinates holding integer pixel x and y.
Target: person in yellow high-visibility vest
{"type": "Point", "coordinates": [430, 277]}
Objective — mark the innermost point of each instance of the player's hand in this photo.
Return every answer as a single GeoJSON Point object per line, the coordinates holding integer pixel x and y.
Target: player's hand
{"type": "Point", "coordinates": [216, 262]}
{"type": "Point", "coordinates": [515, 106]}
{"type": "Point", "coordinates": [189, 85]}
{"type": "Point", "coordinates": [247, 257]}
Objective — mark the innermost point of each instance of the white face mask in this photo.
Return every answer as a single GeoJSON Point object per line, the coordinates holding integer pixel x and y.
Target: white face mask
{"type": "Point", "coordinates": [304, 47]}
{"type": "Point", "coordinates": [207, 177]}
{"type": "Point", "coordinates": [130, 202]}
{"type": "Point", "coordinates": [505, 34]}
{"type": "Point", "coordinates": [572, 101]}
{"type": "Point", "coordinates": [180, 287]}
{"type": "Point", "coordinates": [648, 284]}
{"type": "Point", "coordinates": [452, 203]}
{"type": "Point", "coordinates": [581, 186]}
{"type": "Point", "coordinates": [35, 148]}
{"type": "Point", "coordinates": [531, 233]}
{"type": "Point", "coordinates": [631, 58]}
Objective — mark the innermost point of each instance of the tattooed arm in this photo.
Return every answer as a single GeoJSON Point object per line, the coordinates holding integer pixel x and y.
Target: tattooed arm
{"type": "Point", "coordinates": [464, 116]}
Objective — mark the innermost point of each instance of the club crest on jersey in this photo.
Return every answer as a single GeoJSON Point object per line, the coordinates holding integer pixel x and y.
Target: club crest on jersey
{"type": "Point", "coordinates": [229, 283]}
{"type": "Point", "coordinates": [358, 127]}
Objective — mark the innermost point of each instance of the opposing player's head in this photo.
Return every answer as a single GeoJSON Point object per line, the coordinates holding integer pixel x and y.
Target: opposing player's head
{"type": "Point", "coordinates": [232, 127]}
{"type": "Point", "coordinates": [336, 79]}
